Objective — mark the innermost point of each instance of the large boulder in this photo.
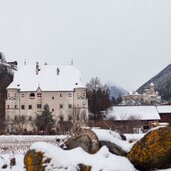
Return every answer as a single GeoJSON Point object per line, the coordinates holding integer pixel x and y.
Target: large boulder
{"type": "Point", "coordinates": [86, 139]}
{"type": "Point", "coordinates": [153, 151]}
{"type": "Point", "coordinates": [45, 156]}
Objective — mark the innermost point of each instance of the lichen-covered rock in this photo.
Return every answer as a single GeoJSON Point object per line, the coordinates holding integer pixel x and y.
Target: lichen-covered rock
{"type": "Point", "coordinates": [83, 167]}
{"type": "Point", "coordinates": [85, 139]}
{"type": "Point", "coordinates": [153, 151]}
{"type": "Point", "coordinates": [34, 161]}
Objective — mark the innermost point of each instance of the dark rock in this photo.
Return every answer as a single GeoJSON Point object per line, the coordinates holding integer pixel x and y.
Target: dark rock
{"type": "Point", "coordinates": [153, 151]}
{"type": "Point", "coordinates": [4, 166]}
{"type": "Point", "coordinates": [85, 139]}
{"type": "Point", "coordinates": [6, 77]}
{"type": "Point", "coordinates": [122, 136]}
{"type": "Point", "coordinates": [12, 162]}
{"type": "Point", "coordinates": [113, 148]}
{"type": "Point", "coordinates": [83, 167]}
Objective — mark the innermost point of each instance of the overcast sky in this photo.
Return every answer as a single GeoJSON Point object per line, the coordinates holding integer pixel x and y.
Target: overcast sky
{"type": "Point", "coordinates": [123, 41]}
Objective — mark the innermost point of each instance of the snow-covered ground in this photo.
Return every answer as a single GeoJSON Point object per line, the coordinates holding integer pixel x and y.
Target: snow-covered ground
{"type": "Point", "coordinates": [102, 160]}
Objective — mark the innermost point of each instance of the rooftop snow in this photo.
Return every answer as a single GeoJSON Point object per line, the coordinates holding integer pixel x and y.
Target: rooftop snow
{"type": "Point", "coordinates": [164, 109]}
{"type": "Point", "coordinates": [47, 79]}
{"type": "Point", "coordinates": [138, 112]}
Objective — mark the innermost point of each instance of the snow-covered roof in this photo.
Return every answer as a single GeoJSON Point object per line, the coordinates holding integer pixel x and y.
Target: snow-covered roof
{"type": "Point", "coordinates": [164, 109]}
{"type": "Point", "coordinates": [137, 112]}
{"type": "Point", "coordinates": [49, 78]}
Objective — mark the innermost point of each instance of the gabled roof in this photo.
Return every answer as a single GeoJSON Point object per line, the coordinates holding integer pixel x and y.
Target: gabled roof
{"type": "Point", "coordinates": [49, 78]}
{"type": "Point", "coordinates": [164, 109]}
{"type": "Point", "coordinates": [137, 112]}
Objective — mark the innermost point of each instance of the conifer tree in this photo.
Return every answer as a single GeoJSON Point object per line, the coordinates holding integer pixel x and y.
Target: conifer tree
{"type": "Point", "coordinates": [45, 121]}
{"type": "Point", "coordinates": [98, 97]}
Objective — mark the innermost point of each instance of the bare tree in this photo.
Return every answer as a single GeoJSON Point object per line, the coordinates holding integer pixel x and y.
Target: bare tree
{"type": "Point", "coordinates": [21, 123]}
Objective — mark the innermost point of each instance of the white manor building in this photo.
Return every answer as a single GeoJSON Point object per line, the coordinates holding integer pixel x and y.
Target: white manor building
{"type": "Point", "coordinates": [58, 86]}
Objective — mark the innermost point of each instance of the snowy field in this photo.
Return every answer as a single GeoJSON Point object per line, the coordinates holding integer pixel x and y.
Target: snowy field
{"type": "Point", "coordinates": [16, 146]}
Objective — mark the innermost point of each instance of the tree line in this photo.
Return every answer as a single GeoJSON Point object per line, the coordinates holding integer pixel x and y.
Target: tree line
{"type": "Point", "coordinates": [99, 98]}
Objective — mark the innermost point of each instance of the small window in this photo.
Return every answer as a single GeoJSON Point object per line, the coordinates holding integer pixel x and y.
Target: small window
{"type": "Point", "coordinates": [8, 118]}
{"type": "Point", "coordinates": [29, 106]}
{"type": "Point", "coordinates": [22, 107]}
{"type": "Point", "coordinates": [70, 95]}
{"type": "Point", "coordinates": [61, 95]}
{"type": "Point", "coordinates": [8, 94]}
{"type": "Point", "coordinates": [61, 106]}
{"type": "Point", "coordinates": [15, 118]}
{"type": "Point", "coordinates": [39, 94]}
{"type": "Point", "coordinates": [8, 106]}
{"type": "Point", "coordinates": [39, 106]}
{"type": "Point", "coordinates": [30, 118]}
{"type": "Point", "coordinates": [70, 106]}
{"type": "Point", "coordinates": [52, 110]}
{"type": "Point", "coordinates": [16, 107]}
{"type": "Point", "coordinates": [52, 97]}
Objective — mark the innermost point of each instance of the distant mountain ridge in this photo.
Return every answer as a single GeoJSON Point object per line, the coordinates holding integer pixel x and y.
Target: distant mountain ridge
{"type": "Point", "coordinates": [162, 82]}
{"type": "Point", "coordinates": [115, 90]}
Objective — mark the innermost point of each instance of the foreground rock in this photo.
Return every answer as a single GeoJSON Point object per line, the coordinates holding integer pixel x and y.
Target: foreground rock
{"type": "Point", "coordinates": [113, 148]}
{"type": "Point", "coordinates": [47, 157]}
{"type": "Point", "coordinates": [39, 160]}
{"type": "Point", "coordinates": [86, 139]}
{"type": "Point", "coordinates": [34, 161]}
{"type": "Point", "coordinates": [153, 151]}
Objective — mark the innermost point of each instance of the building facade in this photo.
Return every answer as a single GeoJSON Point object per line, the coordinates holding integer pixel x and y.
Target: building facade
{"type": "Point", "coordinates": [34, 86]}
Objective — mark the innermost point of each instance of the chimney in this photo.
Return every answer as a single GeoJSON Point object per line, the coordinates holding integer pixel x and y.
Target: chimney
{"type": "Point", "coordinates": [57, 71]}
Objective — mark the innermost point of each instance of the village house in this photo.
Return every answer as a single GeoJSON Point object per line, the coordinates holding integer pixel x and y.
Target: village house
{"type": "Point", "coordinates": [139, 118]}
{"type": "Point", "coordinates": [165, 113]}
{"type": "Point", "coordinates": [134, 118]}
{"type": "Point", "coordinates": [59, 86]}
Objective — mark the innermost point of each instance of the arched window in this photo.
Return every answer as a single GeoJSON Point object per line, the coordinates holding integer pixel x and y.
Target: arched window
{"type": "Point", "coordinates": [32, 95]}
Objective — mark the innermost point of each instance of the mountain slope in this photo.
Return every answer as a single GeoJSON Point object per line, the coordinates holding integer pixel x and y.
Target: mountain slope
{"type": "Point", "coordinates": [162, 82]}
{"type": "Point", "coordinates": [115, 90]}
